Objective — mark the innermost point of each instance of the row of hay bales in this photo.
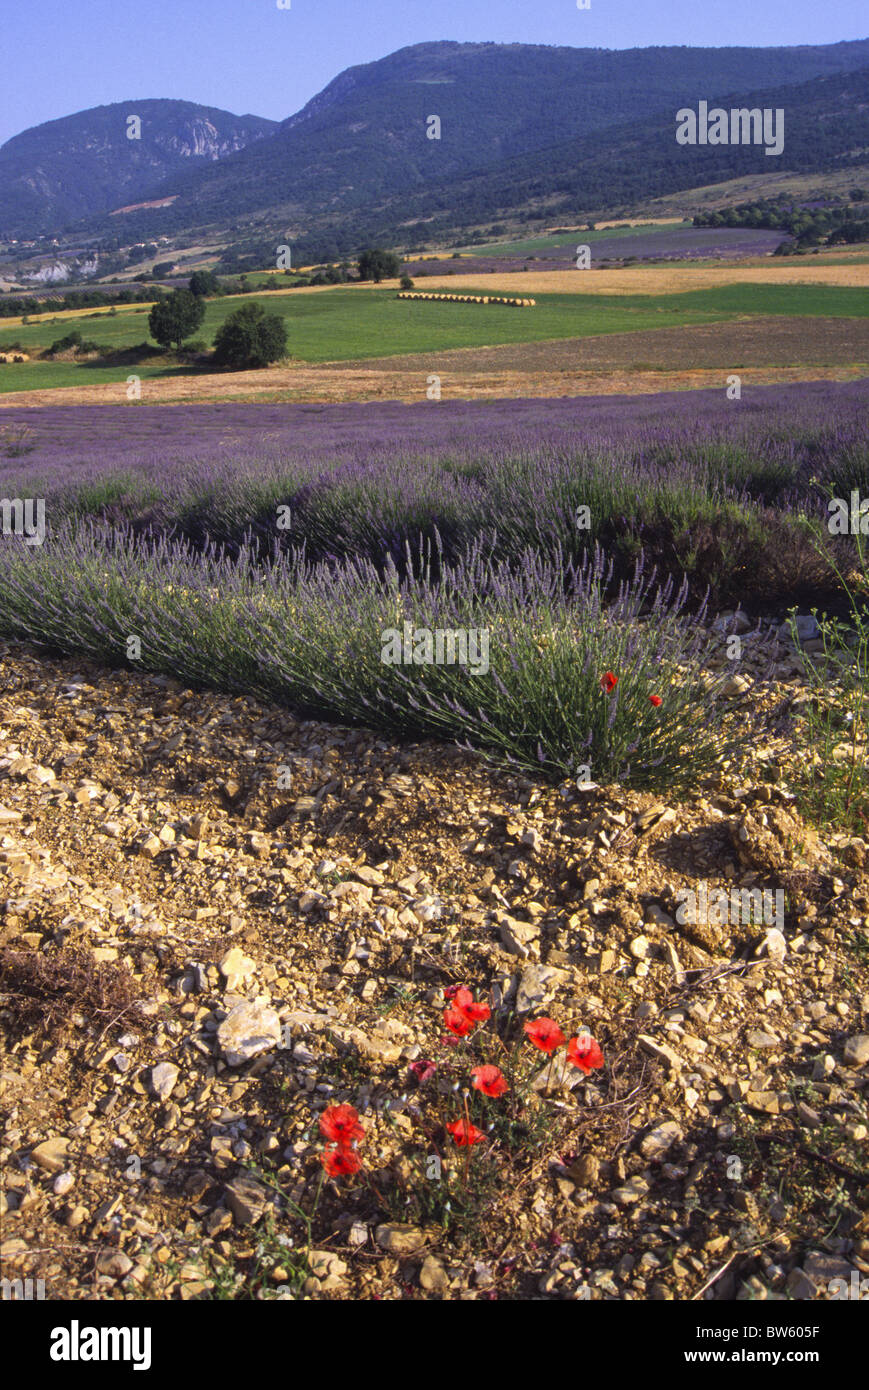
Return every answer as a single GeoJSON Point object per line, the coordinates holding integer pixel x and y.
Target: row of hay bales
{"type": "Point", "coordinates": [467, 298]}
{"type": "Point", "coordinates": [14, 357]}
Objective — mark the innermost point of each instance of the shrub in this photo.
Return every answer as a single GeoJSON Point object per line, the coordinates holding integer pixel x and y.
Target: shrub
{"type": "Point", "coordinates": [71, 340]}
{"type": "Point", "coordinates": [64, 990]}
{"type": "Point", "coordinates": [250, 338]}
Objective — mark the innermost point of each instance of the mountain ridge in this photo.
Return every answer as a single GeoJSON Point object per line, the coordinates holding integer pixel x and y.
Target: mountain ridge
{"type": "Point", "coordinates": [360, 144]}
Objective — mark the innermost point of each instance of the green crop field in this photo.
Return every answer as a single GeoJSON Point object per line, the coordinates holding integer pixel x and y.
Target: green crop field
{"type": "Point", "coordinates": [44, 376]}
{"type": "Point", "coordinates": [351, 323]}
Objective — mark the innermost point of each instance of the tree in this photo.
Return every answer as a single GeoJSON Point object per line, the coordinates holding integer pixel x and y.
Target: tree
{"type": "Point", "coordinates": [376, 264]}
{"type": "Point", "coordinates": [250, 338]}
{"type": "Point", "coordinates": [204, 283]}
{"type": "Point", "coordinates": [175, 318]}
{"type": "Point", "coordinates": [405, 283]}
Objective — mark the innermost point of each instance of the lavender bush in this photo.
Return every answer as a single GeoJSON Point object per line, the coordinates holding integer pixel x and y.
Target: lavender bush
{"type": "Point", "coordinates": [311, 636]}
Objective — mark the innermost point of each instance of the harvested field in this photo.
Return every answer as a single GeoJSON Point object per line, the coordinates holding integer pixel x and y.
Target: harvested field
{"type": "Point", "coordinates": [775, 349]}
{"type": "Point", "coordinates": [629, 222]}
{"type": "Point", "coordinates": [762, 342]}
{"type": "Point", "coordinates": [656, 279]}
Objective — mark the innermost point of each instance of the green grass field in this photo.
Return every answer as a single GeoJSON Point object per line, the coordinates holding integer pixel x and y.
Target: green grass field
{"type": "Point", "coordinates": [346, 324]}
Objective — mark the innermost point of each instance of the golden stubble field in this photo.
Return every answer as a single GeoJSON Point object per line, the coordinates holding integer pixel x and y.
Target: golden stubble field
{"type": "Point", "coordinates": [334, 384]}
{"type": "Point", "coordinates": [653, 279]}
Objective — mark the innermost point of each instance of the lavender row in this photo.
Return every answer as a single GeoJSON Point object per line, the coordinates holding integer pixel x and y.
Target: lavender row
{"type": "Point", "coordinates": [560, 678]}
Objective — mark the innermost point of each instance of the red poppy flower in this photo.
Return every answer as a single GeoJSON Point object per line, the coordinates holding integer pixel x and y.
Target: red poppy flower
{"type": "Point", "coordinates": [655, 700]}
{"type": "Point", "coordinates": [341, 1124]}
{"type": "Point", "coordinates": [422, 1070]}
{"type": "Point", "coordinates": [340, 1161]}
{"type": "Point", "coordinates": [584, 1052]}
{"type": "Point", "coordinates": [451, 991]}
{"type": "Point", "coordinates": [463, 1000]}
{"type": "Point", "coordinates": [464, 1013]}
{"type": "Point", "coordinates": [608, 682]}
{"type": "Point", "coordinates": [489, 1080]}
{"type": "Point", "coordinates": [465, 1133]}
{"type": "Point", "coordinates": [457, 1022]}
{"type": "Point", "coordinates": [545, 1034]}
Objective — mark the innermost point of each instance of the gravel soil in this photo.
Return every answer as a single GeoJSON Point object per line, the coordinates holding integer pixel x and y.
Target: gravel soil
{"type": "Point", "coordinates": [215, 920]}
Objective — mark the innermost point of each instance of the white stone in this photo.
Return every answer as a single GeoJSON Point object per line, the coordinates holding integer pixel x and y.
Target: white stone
{"type": "Point", "coordinates": [248, 1030]}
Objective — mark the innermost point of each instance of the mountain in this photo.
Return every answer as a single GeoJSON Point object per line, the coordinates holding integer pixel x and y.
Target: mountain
{"type": "Point", "coordinates": [64, 170]}
{"type": "Point", "coordinates": [826, 129]}
{"type": "Point", "coordinates": [357, 157]}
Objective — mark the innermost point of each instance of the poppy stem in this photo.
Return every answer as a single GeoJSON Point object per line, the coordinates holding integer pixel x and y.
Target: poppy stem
{"type": "Point", "coordinates": [319, 1191]}
{"type": "Point", "coordinates": [468, 1141]}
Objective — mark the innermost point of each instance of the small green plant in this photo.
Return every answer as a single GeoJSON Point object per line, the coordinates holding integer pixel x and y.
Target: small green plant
{"type": "Point", "coordinates": [276, 1268]}
{"type": "Point", "coordinates": [833, 780]}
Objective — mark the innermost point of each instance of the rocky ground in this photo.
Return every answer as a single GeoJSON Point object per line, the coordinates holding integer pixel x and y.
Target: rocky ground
{"type": "Point", "coordinates": [215, 920]}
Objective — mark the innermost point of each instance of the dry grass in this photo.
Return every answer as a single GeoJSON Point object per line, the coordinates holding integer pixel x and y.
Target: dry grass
{"type": "Point", "coordinates": [48, 992]}
{"type": "Point", "coordinates": [652, 279]}
{"type": "Point", "coordinates": [748, 187]}
{"type": "Point", "coordinates": [334, 384]}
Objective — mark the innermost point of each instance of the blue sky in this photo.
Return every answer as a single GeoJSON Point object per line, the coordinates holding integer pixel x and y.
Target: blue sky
{"type": "Point", "coordinates": [61, 56]}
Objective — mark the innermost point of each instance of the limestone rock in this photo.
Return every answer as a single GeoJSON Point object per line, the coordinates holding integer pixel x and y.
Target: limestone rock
{"type": "Point", "coordinates": [856, 1052]}
{"type": "Point", "coordinates": [51, 1155]}
{"type": "Point", "coordinates": [398, 1239]}
{"type": "Point", "coordinates": [248, 1030]}
{"type": "Point", "coordinates": [163, 1079]}
{"type": "Point", "coordinates": [236, 967]}
{"type": "Point", "coordinates": [519, 938]}
{"type": "Point", "coordinates": [659, 1140]}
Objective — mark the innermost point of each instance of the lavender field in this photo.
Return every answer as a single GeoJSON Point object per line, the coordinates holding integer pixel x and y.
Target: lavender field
{"type": "Point", "coordinates": [272, 548]}
{"type": "Point", "coordinates": [678, 244]}
{"type": "Point", "coordinates": [710, 490]}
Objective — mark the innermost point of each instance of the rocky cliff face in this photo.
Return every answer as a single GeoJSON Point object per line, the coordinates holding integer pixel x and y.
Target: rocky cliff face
{"type": "Point", "coordinates": [57, 272]}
